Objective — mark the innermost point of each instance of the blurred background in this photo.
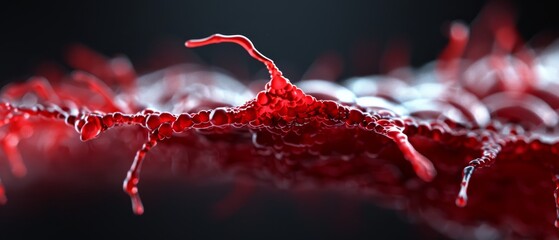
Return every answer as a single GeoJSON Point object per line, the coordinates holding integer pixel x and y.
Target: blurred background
{"type": "Point", "coordinates": [294, 34]}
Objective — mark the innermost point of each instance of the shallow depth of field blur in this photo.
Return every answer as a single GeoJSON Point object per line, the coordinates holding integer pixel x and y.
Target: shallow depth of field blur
{"type": "Point", "coordinates": [353, 37]}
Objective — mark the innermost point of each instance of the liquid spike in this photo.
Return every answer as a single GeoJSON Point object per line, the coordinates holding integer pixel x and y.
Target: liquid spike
{"type": "Point", "coordinates": [277, 80]}
{"type": "Point", "coordinates": [422, 166]}
{"type": "Point", "coordinates": [130, 184]}
{"type": "Point", "coordinates": [462, 198]}
{"type": "Point", "coordinates": [490, 150]}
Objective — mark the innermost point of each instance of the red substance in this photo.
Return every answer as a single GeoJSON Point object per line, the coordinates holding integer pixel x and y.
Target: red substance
{"type": "Point", "coordinates": [320, 138]}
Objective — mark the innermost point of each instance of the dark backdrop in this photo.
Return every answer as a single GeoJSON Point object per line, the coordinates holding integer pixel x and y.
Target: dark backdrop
{"type": "Point", "coordinates": [293, 33]}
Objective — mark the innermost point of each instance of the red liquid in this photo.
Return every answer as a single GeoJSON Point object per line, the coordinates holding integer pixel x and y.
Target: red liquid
{"type": "Point", "coordinates": [494, 112]}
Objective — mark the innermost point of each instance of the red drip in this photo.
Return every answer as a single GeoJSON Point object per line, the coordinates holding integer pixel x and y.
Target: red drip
{"type": "Point", "coordinates": [490, 151]}
{"type": "Point", "coordinates": [462, 199]}
{"type": "Point", "coordinates": [130, 184]}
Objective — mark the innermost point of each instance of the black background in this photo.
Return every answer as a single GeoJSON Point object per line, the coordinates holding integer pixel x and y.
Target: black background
{"type": "Point", "coordinates": [290, 32]}
{"type": "Point", "coordinates": [293, 33]}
